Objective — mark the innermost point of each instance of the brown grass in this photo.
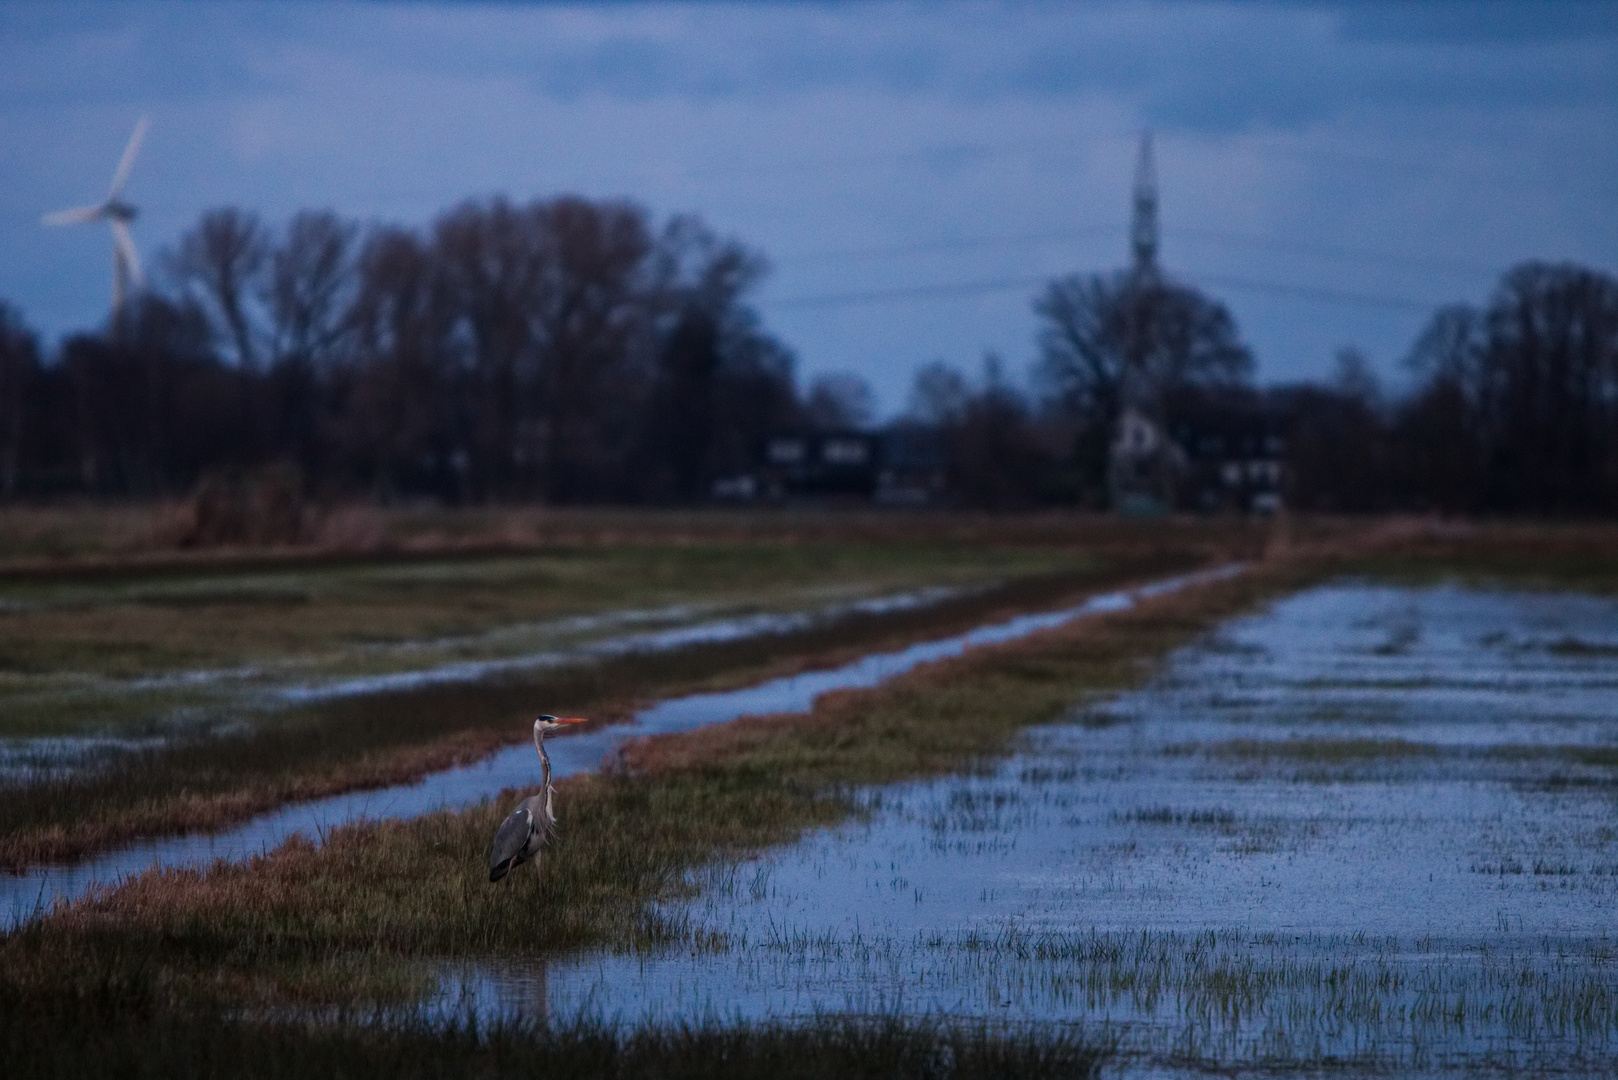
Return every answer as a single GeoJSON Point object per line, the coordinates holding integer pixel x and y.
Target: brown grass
{"type": "Point", "coordinates": [343, 919]}
{"type": "Point", "coordinates": [109, 540]}
{"type": "Point", "coordinates": [387, 739]}
{"type": "Point", "coordinates": [1537, 554]}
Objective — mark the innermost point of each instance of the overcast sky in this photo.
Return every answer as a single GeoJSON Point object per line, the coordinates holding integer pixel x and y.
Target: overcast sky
{"type": "Point", "coordinates": [1330, 170]}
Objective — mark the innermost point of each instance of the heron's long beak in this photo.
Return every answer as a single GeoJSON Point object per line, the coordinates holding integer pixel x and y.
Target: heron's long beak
{"type": "Point", "coordinates": [572, 720]}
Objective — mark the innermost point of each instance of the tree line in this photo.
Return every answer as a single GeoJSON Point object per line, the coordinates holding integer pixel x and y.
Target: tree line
{"type": "Point", "coordinates": [567, 350]}
{"type": "Point", "coordinates": [572, 351]}
{"type": "Point", "coordinates": [1512, 407]}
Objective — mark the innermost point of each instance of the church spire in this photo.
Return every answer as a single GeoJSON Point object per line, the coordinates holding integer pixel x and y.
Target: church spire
{"type": "Point", "coordinates": [1143, 227]}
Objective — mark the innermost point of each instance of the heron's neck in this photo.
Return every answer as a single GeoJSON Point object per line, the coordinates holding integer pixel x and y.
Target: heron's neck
{"type": "Point", "coordinates": [544, 758]}
{"type": "Point", "coordinates": [545, 774]}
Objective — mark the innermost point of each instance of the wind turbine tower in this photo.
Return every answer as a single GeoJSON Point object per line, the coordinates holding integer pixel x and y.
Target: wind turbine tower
{"type": "Point", "coordinates": [1143, 226]}
{"type": "Point", "coordinates": [126, 274]}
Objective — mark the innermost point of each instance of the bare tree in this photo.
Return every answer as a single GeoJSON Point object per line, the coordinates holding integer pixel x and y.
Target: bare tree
{"type": "Point", "coordinates": [562, 348]}
{"type": "Point", "coordinates": [310, 287]}
{"type": "Point", "coordinates": [591, 328]}
{"type": "Point", "coordinates": [308, 293]}
{"type": "Point", "coordinates": [219, 263]}
{"type": "Point", "coordinates": [997, 454]}
{"type": "Point", "coordinates": [489, 257]}
{"type": "Point", "coordinates": [1103, 337]}
{"type": "Point", "coordinates": [399, 398]}
{"type": "Point", "coordinates": [1549, 389]}
{"type": "Point", "coordinates": [1437, 432]}
{"type": "Point", "coordinates": [1107, 341]}
{"type": "Point", "coordinates": [721, 384]}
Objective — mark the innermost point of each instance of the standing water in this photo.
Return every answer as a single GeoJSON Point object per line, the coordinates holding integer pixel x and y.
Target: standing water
{"type": "Point", "coordinates": [1373, 826]}
{"type": "Point", "coordinates": [23, 896]}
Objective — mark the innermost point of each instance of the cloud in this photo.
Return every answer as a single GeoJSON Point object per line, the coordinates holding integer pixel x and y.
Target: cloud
{"type": "Point", "coordinates": [809, 129]}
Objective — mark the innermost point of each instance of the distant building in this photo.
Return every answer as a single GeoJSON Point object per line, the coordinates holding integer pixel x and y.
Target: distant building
{"type": "Point", "coordinates": [1144, 466]}
{"type": "Point", "coordinates": [1220, 455]}
{"type": "Point", "coordinates": [1235, 458]}
{"type": "Point", "coordinates": [1222, 448]}
{"type": "Point", "coordinates": [904, 465]}
{"type": "Point", "coordinates": [820, 464]}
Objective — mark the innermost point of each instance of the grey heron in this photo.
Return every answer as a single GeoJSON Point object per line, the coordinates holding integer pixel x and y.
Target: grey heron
{"type": "Point", "coordinates": [529, 828]}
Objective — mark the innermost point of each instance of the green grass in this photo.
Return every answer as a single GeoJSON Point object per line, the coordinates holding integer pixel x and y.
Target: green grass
{"type": "Point", "coordinates": [350, 919]}
{"type": "Point", "coordinates": [145, 623]}
{"type": "Point", "coordinates": [360, 921]}
{"type": "Point", "coordinates": [379, 739]}
{"type": "Point", "coordinates": [167, 973]}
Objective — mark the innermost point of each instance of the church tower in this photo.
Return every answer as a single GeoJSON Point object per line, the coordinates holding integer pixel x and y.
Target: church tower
{"type": "Point", "coordinates": [1143, 226]}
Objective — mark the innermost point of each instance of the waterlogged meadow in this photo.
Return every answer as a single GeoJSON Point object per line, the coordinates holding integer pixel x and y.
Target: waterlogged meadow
{"type": "Point", "coordinates": [377, 683]}
{"type": "Point", "coordinates": [1371, 825]}
{"type": "Point", "coordinates": [85, 659]}
{"type": "Point", "coordinates": [1252, 823]}
{"type": "Point", "coordinates": [27, 894]}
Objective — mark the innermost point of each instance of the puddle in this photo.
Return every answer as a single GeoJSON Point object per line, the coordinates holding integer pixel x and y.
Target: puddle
{"type": "Point", "coordinates": [29, 760]}
{"type": "Point", "coordinates": [1202, 871]}
{"type": "Point", "coordinates": [24, 895]}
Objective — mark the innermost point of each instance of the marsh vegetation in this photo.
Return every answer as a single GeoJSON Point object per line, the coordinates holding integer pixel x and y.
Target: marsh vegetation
{"type": "Point", "coordinates": [1396, 857]}
{"type": "Point", "coordinates": [1195, 849]}
{"type": "Point", "coordinates": [359, 699]}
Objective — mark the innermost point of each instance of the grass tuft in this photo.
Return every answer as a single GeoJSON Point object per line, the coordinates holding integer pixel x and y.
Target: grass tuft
{"type": "Point", "coordinates": [101, 1036]}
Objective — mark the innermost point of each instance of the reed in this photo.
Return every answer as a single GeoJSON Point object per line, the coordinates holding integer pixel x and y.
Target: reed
{"type": "Point", "coordinates": [98, 1038]}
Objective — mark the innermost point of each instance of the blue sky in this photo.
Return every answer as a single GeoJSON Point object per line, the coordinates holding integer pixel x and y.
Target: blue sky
{"type": "Point", "coordinates": [1313, 157]}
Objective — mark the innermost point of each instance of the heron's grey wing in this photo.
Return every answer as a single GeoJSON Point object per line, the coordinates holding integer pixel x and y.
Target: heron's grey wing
{"type": "Point", "coordinates": [510, 841]}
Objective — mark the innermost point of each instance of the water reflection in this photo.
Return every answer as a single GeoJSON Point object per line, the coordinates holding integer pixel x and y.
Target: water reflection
{"type": "Point", "coordinates": [1372, 824]}
{"type": "Point", "coordinates": [22, 896]}
{"type": "Point", "coordinates": [220, 701]}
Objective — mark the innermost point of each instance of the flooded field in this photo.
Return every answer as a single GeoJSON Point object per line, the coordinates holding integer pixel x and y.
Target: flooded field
{"type": "Point", "coordinates": [222, 700]}
{"type": "Point", "coordinates": [26, 894]}
{"type": "Point", "coordinates": [210, 649]}
{"type": "Point", "coordinates": [1371, 826]}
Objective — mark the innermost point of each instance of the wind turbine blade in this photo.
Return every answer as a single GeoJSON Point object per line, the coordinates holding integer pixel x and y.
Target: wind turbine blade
{"type": "Point", "coordinates": [76, 216]}
{"type": "Point", "coordinates": [127, 162]}
{"type": "Point", "coordinates": [125, 245]}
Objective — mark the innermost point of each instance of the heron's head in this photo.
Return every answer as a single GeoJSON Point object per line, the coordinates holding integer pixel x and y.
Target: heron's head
{"type": "Point", "coordinates": [547, 723]}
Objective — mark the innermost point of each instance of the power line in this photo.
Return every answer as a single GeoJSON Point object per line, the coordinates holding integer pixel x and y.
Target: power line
{"type": "Point", "coordinates": [1325, 295]}
{"type": "Point", "coordinates": [1058, 236]}
{"type": "Point", "coordinates": [908, 292]}
{"type": "Point", "coordinates": [1350, 254]}
{"type": "Point", "coordinates": [969, 243]}
{"type": "Point", "coordinates": [1320, 294]}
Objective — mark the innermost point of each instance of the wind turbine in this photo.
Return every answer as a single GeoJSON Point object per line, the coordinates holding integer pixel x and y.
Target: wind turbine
{"type": "Point", "coordinates": [126, 275]}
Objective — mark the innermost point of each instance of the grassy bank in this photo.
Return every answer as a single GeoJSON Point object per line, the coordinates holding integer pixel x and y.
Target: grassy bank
{"type": "Point", "coordinates": [359, 614]}
{"type": "Point", "coordinates": [102, 539]}
{"type": "Point", "coordinates": [356, 918]}
{"type": "Point", "coordinates": [375, 740]}
{"type": "Point", "coordinates": [363, 920]}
